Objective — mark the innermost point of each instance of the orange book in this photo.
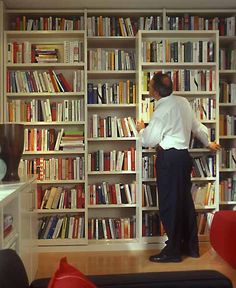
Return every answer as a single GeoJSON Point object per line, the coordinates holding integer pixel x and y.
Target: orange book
{"type": "Point", "coordinates": [133, 158]}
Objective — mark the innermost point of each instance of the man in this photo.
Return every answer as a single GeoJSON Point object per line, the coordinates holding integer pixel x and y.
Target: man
{"type": "Point", "coordinates": [169, 131]}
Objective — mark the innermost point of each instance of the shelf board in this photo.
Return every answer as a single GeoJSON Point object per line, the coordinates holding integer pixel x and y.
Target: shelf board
{"type": "Point", "coordinates": [44, 65]}
{"type": "Point", "coordinates": [224, 39]}
{"type": "Point", "coordinates": [106, 241]}
{"type": "Point", "coordinates": [53, 123]}
{"type": "Point", "coordinates": [151, 208]}
{"type": "Point", "coordinates": [228, 137]}
{"type": "Point", "coordinates": [74, 152]}
{"type": "Point", "coordinates": [173, 35]}
{"type": "Point", "coordinates": [154, 239]}
{"type": "Point", "coordinates": [227, 104]}
{"type": "Point", "coordinates": [189, 93]}
{"type": "Point", "coordinates": [205, 207]}
{"type": "Point", "coordinates": [110, 172]}
{"type": "Point", "coordinates": [59, 182]}
{"type": "Point", "coordinates": [228, 71]}
{"type": "Point", "coordinates": [93, 74]}
{"type": "Point", "coordinates": [107, 206]}
{"type": "Point", "coordinates": [150, 150]}
{"type": "Point", "coordinates": [45, 94]}
{"type": "Point", "coordinates": [227, 202]}
{"type": "Point", "coordinates": [192, 150]}
{"type": "Point", "coordinates": [56, 211]}
{"type": "Point", "coordinates": [199, 179]}
{"type": "Point", "coordinates": [46, 34]}
{"type": "Point", "coordinates": [107, 106]}
{"type": "Point", "coordinates": [222, 170]}
{"type": "Point", "coordinates": [61, 242]}
{"type": "Point", "coordinates": [148, 179]}
{"type": "Point", "coordinates": [111, 41]}
{"type": "Point", "coordinates": [112, 139]}
{"type": "Point", "coordinates": [175, 65]}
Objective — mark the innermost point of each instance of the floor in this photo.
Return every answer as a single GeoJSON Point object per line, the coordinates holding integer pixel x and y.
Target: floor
{"type": "Point", "coordinates": [115, 262]}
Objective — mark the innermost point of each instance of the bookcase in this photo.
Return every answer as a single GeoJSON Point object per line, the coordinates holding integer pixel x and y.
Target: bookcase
{"type": "Point", "coordinates": [45, 71]}
{"type": "Point", "coordinates": [113, 159]}
{"type": "Point", "coordinates": [1, 63]}
{"type": "Point", "coordinates": [192, 62]}
{"type": "Point", "coordinates": [81, 76]}
{"type": "Point", "coordinates": [224, 21]}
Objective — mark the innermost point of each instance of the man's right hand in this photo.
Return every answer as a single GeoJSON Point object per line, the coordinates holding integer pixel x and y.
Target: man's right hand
{"type": "Point", "coordinates": [140, 125]}
{"type": "Point", "coordinates": [214, 146]}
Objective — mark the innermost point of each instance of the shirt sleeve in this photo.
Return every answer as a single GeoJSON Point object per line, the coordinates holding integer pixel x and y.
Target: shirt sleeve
{"type": "Point", "coordinates": [200, 131]}
{"type": "Point", "coordinates": [152, 134]}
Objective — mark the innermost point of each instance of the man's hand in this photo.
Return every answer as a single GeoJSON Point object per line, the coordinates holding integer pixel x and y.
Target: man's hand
{"type": "Point", "coordinates": [140, 125]}
{"type": "Point", "coordinates": [214, 146]}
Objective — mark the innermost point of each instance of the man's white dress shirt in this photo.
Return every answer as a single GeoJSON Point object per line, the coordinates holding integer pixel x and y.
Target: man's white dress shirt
{"type": "Point", "coordinates": [171, 125]}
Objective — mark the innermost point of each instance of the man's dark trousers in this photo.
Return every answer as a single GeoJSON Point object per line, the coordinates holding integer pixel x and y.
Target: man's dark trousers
{"type": "Point", "coordinates": [176, 206]}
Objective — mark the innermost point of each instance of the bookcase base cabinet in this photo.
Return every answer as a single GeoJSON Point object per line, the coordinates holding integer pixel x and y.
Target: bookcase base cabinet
{"type": "Point", "coordinates": [18, 221]}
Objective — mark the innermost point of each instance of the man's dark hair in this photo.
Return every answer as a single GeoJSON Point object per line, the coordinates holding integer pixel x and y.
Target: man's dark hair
{"type": "Point", "coordinates": [162, 83]}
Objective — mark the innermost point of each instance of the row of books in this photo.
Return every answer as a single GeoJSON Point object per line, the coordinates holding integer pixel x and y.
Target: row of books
{"type": "Point", "coordinates": [147, 108]}
{"type": "Point", "coordinates": [204, 166]}
{"type": "Point", "coordinates": [203, 194]}
{"type": "Point", "coordinates": [225, 25]}
{"type": "Point", "coordinates": [149, 166]}
{"type": "Point", "coordinates": [110, 26]}
{"type": "Point", "coordinates": [54, 168]}
{"type": "Point", "coordinates": [61, 227]}
{"type": "Point", "coordinates": [227, 92]}
{"type": "Point", "coordinates": [149, 195]}
{"type": "Point", "coordinates": [120, 26]}
{"type": "Point", "coordinates": [228, 189]}
{"type": "Point", "coordinates": [227, 58]}
{"type": "Point", "coordinates": [227, 158]}
{"type": "Point", "coordinates": [151, 225]}
{"type": "Point", "coordinates": [204, 108]}
{"type": "Point", "coordinates": [178, 51]}
{"type": "Point", "coordinates": [227, 124]}
{"type": "Point", "coordinates": [122, 92]}
{"type": "Point", "coordinates": [52, 140]}
{"type": "Point", "coordinates": [26, 23]}
{"type": "Point", "coordinates": [27, 52]}
{"type": "Point", "coordinates": [45, 110]}
{"type": "Point", "coordinates": [47, 81]}
{"type": "Point", "coordinates": [61, 198]}
{"type": "Point", "coordinates": [111, 228]}
{"type": "Point", "coordinates": [204, 221]}
{"type": "Point", "coordinates": [186, 79]}
{"type": "Point", "coordinates": [110, 59]}
{"type": "Point", "coordinates": [112, 127]}
{"type": "Point", "coordinates": [119, 193]}
{"type": "Point", "coordinates": [112, 160]}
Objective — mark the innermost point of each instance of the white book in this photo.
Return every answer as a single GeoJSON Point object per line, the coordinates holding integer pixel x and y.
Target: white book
{"type": "Point", "coordinates": [58, 141]}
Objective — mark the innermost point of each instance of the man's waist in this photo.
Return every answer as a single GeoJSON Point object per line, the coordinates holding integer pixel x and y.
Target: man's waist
{"type": "Point", "coordinates": [160, 148]}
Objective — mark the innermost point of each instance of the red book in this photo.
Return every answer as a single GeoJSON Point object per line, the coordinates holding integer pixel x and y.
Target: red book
{"type": "Point", "coordinates": [64, 82]}
{"type": "Point", "coordinates": [39, 196]}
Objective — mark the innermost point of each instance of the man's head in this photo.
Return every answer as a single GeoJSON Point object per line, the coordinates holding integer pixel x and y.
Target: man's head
{"type": "Point", "coordinates": [160, 85]}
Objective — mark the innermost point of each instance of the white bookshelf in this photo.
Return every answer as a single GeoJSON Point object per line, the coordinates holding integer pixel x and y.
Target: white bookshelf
{"type": "Point", "coordinates": [1, 60]}
{"type": "Point", "coordinates": [93, 144]}
{"type": "Point", "coordinates": [165, 37]}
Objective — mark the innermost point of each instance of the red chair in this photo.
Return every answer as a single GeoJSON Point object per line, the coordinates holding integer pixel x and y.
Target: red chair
{"type": "Point", "coordinates": [223, 235]}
